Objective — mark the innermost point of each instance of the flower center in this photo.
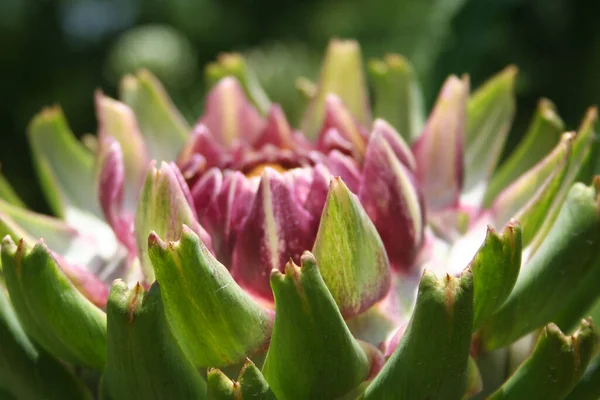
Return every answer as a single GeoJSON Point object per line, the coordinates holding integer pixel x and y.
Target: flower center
{"type": "Point", "coordinates": [258, 169]}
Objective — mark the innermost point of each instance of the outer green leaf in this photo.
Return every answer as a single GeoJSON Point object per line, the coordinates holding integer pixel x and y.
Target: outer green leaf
{"type": "Point", "coordinates": [227, 324]}
{"type": "Point", "coordinates": [51, 309]}
{"type": "Point", "coordinates": [342, 74]}
{"type": "Point", "coordinates": [234, 64]}
{"type": "Point", "coordinates": [398, 97]}
{"type": "Point", "coordinates": [250, 385]}
{"type": "Point", "coordinates": [542, 135]}
{"type": "Point", "coordinates": [490, 112]}
{"type": "Point", "coordinates": [144, 359]}
{"type": "Point", "coordinates": [554, 274]}
{"type": "Point", "coordinates": [321, 359]}
{"type": "Point", "coordinates": [27, 372]}
{"type": "Point", "coordinates": [65, 167]}
{"type": "Point", "coordinates": [352, 258]}
{"type": "Point", "coordinates": [431, 359]}
{"type": "Point", "coordinates": [555, 366]}
{"type": "Point", "coordinates": [495, 270]}
{"type": "Point", "coordinates": [8, 194]}
{"type": "Point", "coordinates": [164, 129]}
{"type": "Point", "coordinates": [583, 151]}
{"type": "Point", "coordinates": [588, 387]}
{"type": "Point", "coordinates": [530, 197]}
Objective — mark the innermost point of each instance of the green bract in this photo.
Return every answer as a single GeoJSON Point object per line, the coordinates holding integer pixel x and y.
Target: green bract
{"type": "Point", "coordinates": [375, 253]}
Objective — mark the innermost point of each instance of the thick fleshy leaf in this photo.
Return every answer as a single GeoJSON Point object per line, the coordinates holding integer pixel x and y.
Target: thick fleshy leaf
{"type": "Point", "coordinates": [390, 197]}
{"type": "Point", "coordinates": [398, 97]}
{"type": "Point", "coordinates": [144, 360]}
{"type": "Point", "coordinates": [276, 229]}
{"type": "Point", "coordinates": [554, 274]}
{"type": "Point", "coordinates": [64, 166]}
{"type": "Point", "coordinates": [490, 112]}
{"type": "Point", "coordinates": [8, 194]}
{"type": "Point", "coordinates": [229, 115]}
{"type": "Point", "coordinates": [431, 359]}
{"type": "Point", "coordinates": [439, 150]}
{"type": "Point", "coordinates": [588, 387]}
{"type": "Point", "coordinates": [227, 324]}
{"type": "Point", "coordinates": [250, 385]}
{"type": "Point", "coordinates": [164, 129]}
{"type": "Point", "coordinates": [117, 120]}
{"type": "Point", "coordinates": [341, 74]}
{"type": "Point", "coordinates": [580, 169]}
{"type": "Point", "coordinates": [233, 64]}
{"type": "Point", "coordinates": [529, 198]}
{"type": "Point", "coordinates": [51, 309]}
{"type": "Point", "coordinates": [165, 204]}
{"type": "Point", "coordinates": [542, 135]}
{"type": "Point", "coordinates": [321, 360]}
{"type": "Point", "coordinates": [352, 258]}
{"type": "Point", "coordinates": [495, 270]}
{"type": "Point", "coordinates": [28, 372]}
{"type": "Point", "coordinates": [555, 366]}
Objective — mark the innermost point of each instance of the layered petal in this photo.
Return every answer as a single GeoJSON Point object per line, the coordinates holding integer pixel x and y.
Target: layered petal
{"type": "Point", "coordinates": [227, 211]}
{"type": "Point", "coordinates": [390, 197]}
{"type": "Point", "coordinates": [111, 177]}
{"type": "Point", "coordinates": [276, 229]}
{"type": "Point", "coordinates": [338, 117]}
{"type": "Point", "coordinates": [278, 131]}
{"type": "Point", "coordinates": [117, 120]}
{"type": "Point", "coordinates": [230, 116]}
{"type": "Point", "coordinates": [439, 150]}
{"type": "Point", "coordinates": [345, 167]}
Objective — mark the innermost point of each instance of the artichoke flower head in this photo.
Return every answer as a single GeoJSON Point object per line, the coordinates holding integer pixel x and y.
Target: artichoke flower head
{"type": "Point", "coordinates": [355, 250]}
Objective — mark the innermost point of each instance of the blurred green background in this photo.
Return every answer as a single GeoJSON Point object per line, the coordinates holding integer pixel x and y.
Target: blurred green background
{"type": "Point", "coordinates": [60, 51]}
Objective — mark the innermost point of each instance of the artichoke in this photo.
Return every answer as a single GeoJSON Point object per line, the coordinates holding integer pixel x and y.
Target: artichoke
{"type": "Point", "coordinates": [373, 253]}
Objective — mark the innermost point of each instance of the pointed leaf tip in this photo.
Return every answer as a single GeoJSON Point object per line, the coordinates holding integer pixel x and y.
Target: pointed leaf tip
{"type": "Point", "coordinates": [39, 289]}
{"type": "Point", "coordinates": [555, 276]}
{"type": "Point", "coordinates": [431, 359]}
{"type": "Point", "coordinates": [555, 366]}
{"type": "Point", "coordinates": [351, 255]}
{"type": "Point", "coordinates": [250, 385]}
{"type": "Point", "coordinates": [144, 358]}
{"type": "Point", "coordinates": [302, 299]}
{"type": "Point", "coordinates": [496, 268]}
